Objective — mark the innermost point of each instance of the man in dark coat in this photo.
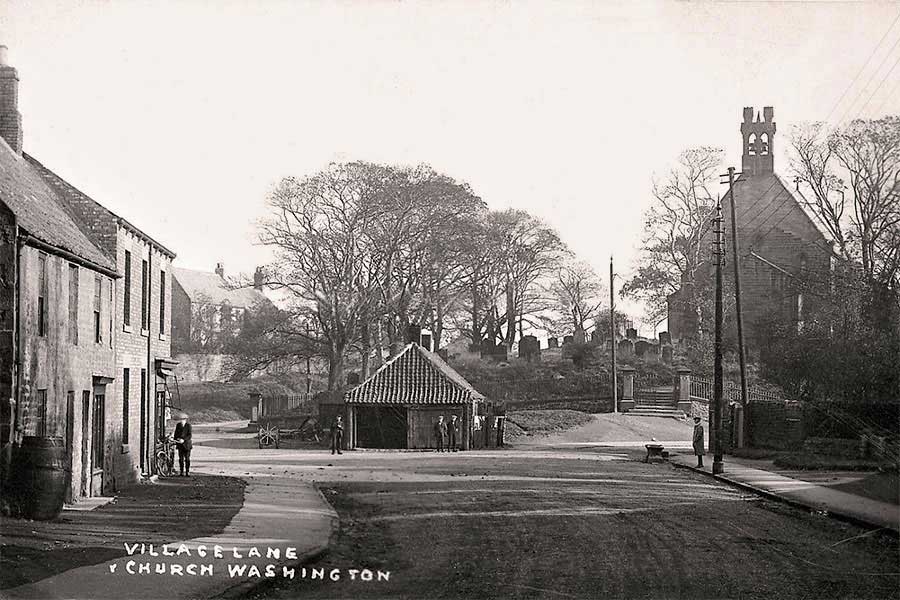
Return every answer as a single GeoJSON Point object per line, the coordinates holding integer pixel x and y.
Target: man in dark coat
{"type": "Point", "coordinates": [337, 435]}
{"type": "Point", "coordinates": [440, 433]}
{"type": "Point", "coordinates": [452, 433]}
{"type": "Point", "coordinates": [699, 445]}
{"type": "Point", "coordinates": [184, 444]}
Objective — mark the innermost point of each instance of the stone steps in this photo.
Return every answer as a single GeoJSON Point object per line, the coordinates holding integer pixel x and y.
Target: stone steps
{"type": "Point", "coordinates": [651, 410]}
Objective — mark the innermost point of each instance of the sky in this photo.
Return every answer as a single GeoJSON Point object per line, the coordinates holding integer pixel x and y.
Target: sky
{"type": "Point", "coordinates": [181, 116]}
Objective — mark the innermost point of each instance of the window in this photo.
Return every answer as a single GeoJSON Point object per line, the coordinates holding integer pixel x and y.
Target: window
{"type": "Point", "coordinates": [42, 413]}
{"type": "Point", "coordinates": [126, 392]}
{"type": "Point", "coordinates": [42, 295]}
{"type": "Point", "coordinates": [98, 299]}
{"type": "Point", "coordinates": [145, 314]}
{"type": "Point", "coordinates": [73, 304]}
{"type": "Point", "coordinates": [162, 302]}
{"type": "Point", "coordinates": [127, 309]}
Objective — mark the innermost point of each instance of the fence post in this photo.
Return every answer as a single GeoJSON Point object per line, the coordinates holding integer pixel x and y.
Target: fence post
{"type": "Point", "coordinates": [683, 390]}
{"type": "Point", "coordinates": [627, 402]}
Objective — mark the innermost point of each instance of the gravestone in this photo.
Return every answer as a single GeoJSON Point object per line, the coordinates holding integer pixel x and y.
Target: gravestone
{"type": "Point", "coordinates": [626, 347]}
{"type": "Point", "coordinates": [667, 354]}
{"type": "Point", "coordinates": [640, 348]}
{"type": "Point", "coordinates": [578, 337]}
{"type": "Point", "coordinates": [493, 351]}
{"type": "Point", "coordinates": [529, 348]}
{"type": "Point", "coordinates": [552, 343]}
{"type": "Point", "coordinates": [568, 340]}
{"type": "Point", "coordinates": [631, 333]}
{"type": "Point", "coordinates": [352, 378]}
{"type": "Point", "coordinates": [597, 337]}
{"type": "Point", "coordinates": [665, 338]}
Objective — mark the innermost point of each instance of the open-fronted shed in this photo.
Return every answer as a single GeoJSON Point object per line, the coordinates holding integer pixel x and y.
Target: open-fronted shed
{"type": "Point", "coordinates": [399, 404]}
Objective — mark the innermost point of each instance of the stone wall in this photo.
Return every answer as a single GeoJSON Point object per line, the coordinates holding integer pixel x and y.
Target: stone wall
{"type": "Point", "coordinates": [777, 425]}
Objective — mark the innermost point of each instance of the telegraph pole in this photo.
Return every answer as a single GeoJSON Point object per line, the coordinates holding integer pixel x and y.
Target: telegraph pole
{"type": "Point", "coordinates": [612, 335]}
{"type": "Point", "coordinates": [715, 426]}
{"type": "Point", "coordinates": [735, 246]}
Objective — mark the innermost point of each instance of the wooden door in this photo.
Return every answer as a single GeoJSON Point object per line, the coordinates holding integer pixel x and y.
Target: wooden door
{"type": "Point", "coordinates": [85, 443]}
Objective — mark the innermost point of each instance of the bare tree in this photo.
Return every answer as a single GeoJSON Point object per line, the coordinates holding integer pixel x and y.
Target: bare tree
{"type": "Point", "coordinates": [674, 227]}
{"type": "Point", "coordinates": [853, 174]}
{"type": "Point", "coordinates": [317, 227]}
{"type": "Point", "coordinates": [577, 291]}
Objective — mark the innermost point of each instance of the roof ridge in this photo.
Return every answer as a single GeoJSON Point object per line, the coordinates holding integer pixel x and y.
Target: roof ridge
{"type": "Point", "coordinates": [122, 220]}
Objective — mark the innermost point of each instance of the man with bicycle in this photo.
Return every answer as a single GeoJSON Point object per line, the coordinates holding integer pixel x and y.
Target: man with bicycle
{"type": "Point", "coordinates": [183, 442]}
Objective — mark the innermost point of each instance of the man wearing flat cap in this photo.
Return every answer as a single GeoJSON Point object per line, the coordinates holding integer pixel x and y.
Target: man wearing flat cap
{"type": "Point", "coordinates": [183, 442]}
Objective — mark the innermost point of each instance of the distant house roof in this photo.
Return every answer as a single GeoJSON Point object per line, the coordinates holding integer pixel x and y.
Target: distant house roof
{"type": "Point", "coordinates": [42, 213]}
{"type": "Point", "coordinates": [201, 286]}
{"type": "Point", "coordinates": [67, 188]}
{"type": "Point", "coordinates": [415, 376]}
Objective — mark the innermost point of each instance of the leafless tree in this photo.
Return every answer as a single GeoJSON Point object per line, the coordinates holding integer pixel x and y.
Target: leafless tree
{"type": "Point", "coordinates": [577, 291]}
{"type": "Point", "coordinates": [682, 213]}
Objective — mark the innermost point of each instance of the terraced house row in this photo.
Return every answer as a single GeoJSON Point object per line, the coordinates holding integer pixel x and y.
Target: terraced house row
{"type": "Point", "coordinates": [85, 321]}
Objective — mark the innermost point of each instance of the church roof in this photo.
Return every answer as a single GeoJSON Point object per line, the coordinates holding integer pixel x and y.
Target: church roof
{"type": "Point", "coordinates": [766, 202]}
{"type": "Point", "coordinates": [415, 376]}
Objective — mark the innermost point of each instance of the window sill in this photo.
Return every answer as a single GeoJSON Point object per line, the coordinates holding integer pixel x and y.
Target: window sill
{"type": "Point", "coordinates": [163, 337]}
{"type": "Point", "coordinates": [145, 332]}
{"type": "Point", "coordinates": [127, 328]}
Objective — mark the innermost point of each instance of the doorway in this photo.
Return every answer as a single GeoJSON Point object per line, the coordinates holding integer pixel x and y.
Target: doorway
{"type": "Point", "coordinates": [85, 443]}
{"type": "Point", "coordinates": [381, 427]}
{"type": "Point", "coordinates": [98, 440]}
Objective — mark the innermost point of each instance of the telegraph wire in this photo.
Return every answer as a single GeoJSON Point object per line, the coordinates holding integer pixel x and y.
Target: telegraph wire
{"type": "Point", "coordinates": [863, 68]}
{"type": "Point", "coordinates": [885, 78]}
{"type": "Point", "coordinates": [848, 110]}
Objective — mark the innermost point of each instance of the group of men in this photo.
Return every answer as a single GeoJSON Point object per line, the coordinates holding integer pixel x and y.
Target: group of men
{"type": "Point", "coordinates": [446, 435]}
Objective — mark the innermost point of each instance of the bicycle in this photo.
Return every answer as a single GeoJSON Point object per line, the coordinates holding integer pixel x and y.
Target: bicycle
{"type": "Point", "coordinates": [165, 457]}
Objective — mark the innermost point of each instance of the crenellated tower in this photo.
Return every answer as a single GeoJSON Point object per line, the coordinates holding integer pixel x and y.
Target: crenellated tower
{"type": "Point", "coordinates": [758, 136]}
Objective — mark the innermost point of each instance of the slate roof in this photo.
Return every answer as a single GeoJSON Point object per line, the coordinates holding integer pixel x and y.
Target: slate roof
{"type": "Point", "coordinates": [41, 212]}
{"type": "Point", "coordinates": [201, 286]}
{"type": "Point", "coordinates": [764, 202]}
{"type": "Point", "coordinates": [415, 376]}
{"type": "Point", "coordinates": [55, 180]}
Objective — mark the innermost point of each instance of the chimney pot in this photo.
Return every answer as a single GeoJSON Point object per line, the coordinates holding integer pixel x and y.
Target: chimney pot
{"type": "Point", "coordinates": [3, 56]}
{"type": "Point", "coordinates": [10, 117]}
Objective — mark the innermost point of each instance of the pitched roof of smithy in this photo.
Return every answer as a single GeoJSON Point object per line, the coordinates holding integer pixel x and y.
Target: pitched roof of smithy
{"type": "Point", "coordinates": [415, 376]}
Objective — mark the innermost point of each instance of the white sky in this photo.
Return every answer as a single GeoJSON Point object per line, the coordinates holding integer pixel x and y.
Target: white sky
{"type": "Point", "coordinates": [180, 115]}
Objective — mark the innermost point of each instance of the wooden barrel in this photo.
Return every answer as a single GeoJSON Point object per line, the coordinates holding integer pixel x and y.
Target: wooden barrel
{"type": "Point", "coordinates": [41, 477]}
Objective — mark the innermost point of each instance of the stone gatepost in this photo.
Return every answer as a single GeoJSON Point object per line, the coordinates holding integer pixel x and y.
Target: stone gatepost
{"type": "Point", "coordinates": [626, 403]}
{"type": "Point", "coordinates": [683, 390]}
{"type": "Point", "coordinates": [260, 409]}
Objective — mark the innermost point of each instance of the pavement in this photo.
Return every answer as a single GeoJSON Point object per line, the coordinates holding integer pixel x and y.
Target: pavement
{"type": "Point", "coordinates": [806, 494]}
{"type": "Point", "coordinates": [278, 513]}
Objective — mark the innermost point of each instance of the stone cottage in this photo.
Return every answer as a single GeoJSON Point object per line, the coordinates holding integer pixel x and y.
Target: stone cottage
{"type": "Point", "coordinates": [86, 337]}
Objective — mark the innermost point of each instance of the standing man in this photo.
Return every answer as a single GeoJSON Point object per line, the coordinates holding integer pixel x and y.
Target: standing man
{"type": "Point", "coordinates": [699, 445]}
{"type": "Point", "coordinates": [337, 435]}
{"type": "Point", "coordinates": [184, 444]}
{"type": "Point", "coordinates": [440, 433]}
{"type": "Point", "coordinates": [452, 434]}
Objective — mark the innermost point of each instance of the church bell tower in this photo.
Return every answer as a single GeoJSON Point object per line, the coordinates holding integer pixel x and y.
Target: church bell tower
{"type": "Point", "coordinates": [758, 136]}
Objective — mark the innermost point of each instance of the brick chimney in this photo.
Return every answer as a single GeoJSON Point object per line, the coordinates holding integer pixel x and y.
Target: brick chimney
{"type": "Point", "coordinates": [10, 118]}
{"type": "Point", "coordinates": [220, 270]}
{"type": "Point", "coordinates": [259, 279]}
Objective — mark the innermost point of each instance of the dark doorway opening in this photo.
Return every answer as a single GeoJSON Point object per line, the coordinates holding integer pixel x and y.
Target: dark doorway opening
{"type": "Point", "coordinates": [381, 427]}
